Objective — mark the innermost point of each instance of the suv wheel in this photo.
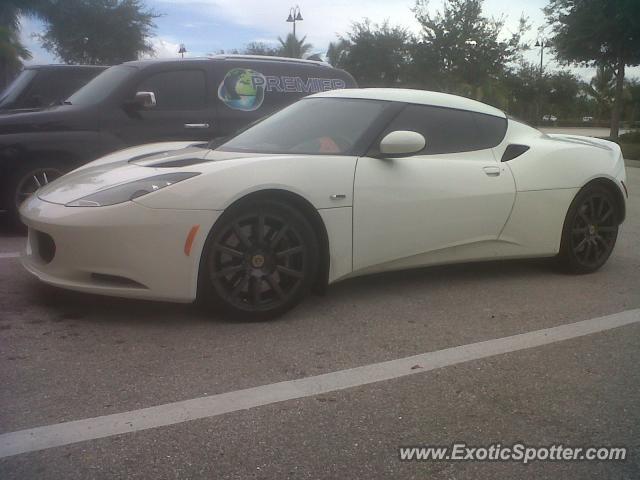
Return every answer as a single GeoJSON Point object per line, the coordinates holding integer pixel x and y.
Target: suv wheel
{"type": "Point", "coordinates": [24, 182]}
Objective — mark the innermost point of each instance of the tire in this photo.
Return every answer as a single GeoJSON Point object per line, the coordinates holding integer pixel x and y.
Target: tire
{"type": "Point", "coordinates": [24, 181]}
{"type": "Point", "coordinates": [590, 230]}
{"type": "Point", "coordinates": [259, 261]}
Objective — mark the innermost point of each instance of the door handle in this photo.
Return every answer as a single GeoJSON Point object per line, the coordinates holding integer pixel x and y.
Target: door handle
{"type": "Point", "coordinates": [492, 171]}
{"type": "Point", "coordinates": [196, 125]}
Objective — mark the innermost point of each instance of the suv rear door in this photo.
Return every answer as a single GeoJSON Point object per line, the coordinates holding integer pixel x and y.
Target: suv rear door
{"type": "Point", "coordinates": [249, 89]}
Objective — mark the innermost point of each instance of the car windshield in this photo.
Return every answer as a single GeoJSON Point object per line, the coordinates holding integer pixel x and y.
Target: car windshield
{"type": "Point", "coordinates": [314, 126]}
{"type": "Point", "coordinates": [13, 91]}
{"type": "Point", "coordinates": [101, 87]}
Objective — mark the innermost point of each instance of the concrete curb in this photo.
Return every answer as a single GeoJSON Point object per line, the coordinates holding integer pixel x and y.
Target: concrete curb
{"type": "Point", "coordinates": [632, 163]}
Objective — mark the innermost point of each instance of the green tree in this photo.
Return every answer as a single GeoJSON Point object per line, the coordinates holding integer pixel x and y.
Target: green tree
{"type": "Point", "coordinates": [376, 55]}
{"type": "Point", "coordinates": [522, 85]}
{"type": "Point", "coordinates": [293, 48]}
{"type": "Point", "coordinates": [598, 32]}
{"type": "Point", "coordinates": [260, 48]}
{"type": "Point", "coordinates": [461, 50]}
{"type": "Point", "coordinates": [100, 32]}
{"type": "Point", "coordinates": [559, 93]}
{"type": "Point", "coordinates": [632, 96]}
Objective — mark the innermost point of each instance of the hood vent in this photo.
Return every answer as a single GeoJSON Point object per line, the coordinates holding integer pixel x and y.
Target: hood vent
{"type": "Point", "coordinates": [146, 155]}
{"type": "Point", "coordinates": [181, 162]}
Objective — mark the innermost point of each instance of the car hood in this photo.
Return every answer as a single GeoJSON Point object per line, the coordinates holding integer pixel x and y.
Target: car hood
{"type": "Point", "coordinates": [133, 164]}
{"type": "Point", "coordinates": [15, 111]}
{"type": "Point", "coordinates": [50, 119]}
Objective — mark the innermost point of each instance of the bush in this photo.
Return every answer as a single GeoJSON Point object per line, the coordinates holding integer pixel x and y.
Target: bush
{"type": "Point", "coordinates": [630, 137]}
{"type": "Point", "coordinates": [630, 151]}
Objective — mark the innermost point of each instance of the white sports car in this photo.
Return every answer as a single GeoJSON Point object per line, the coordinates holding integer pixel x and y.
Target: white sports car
{"type": "Point", "coordinates": [339, 184]}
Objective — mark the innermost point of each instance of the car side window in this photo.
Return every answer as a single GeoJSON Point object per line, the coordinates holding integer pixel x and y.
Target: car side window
{"type": "Point", "coordinates": [447, 130]}
{"type": "Point", "coordinates": [177, 90]}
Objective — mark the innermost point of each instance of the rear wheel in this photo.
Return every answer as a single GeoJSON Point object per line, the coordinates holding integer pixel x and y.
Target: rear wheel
{"type": "Point", "coordinates": [260, 260]}
{"type": "Point", "coordinates": [590, 230]}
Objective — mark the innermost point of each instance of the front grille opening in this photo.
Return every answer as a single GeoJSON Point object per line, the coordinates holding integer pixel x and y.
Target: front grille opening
{"type": "Point", "coordinates": [46, 246]}
{"type": "Point", "coordinates": [116, 281]}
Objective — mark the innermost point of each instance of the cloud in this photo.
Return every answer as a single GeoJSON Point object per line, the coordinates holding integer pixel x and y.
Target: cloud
{"type": "Point", "coordinates": [322, 20]}
{"type": "Point", "coordinates": [163, 48]}
{"type": "Point", "coordinates": [206, 26]}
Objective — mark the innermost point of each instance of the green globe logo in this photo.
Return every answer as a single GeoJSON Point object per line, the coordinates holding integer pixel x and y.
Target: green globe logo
{"type": "Point", "coordinates": [242, 89]}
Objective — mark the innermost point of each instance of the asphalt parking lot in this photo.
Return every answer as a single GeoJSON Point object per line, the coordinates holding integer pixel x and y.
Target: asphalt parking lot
{"type": "Point", "coordinates": [67, 356]}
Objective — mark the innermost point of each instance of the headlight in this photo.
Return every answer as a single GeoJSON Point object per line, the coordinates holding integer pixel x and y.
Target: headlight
{"type": "Point", "coordinates": [129, 191]}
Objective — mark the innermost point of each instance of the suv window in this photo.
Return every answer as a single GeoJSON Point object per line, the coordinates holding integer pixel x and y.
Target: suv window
{"type": "Point", "coordinates": [450, 131]}
{"type": "Point", "coordinates": [53, 86]}
{"type": "Point", "coordinates": [177, 90]}
{"type": "Point", "coordinates": [102, 86]}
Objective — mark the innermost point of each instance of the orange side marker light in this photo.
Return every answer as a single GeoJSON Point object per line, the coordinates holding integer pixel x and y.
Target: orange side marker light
{"type": "Point", "coordinates": [190, 238]}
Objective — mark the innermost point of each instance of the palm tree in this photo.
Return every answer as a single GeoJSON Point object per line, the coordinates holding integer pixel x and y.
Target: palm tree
{"type": "Point", "coordinates": [294, 48]}
{"type": "Point", "coordinates": [12, 54]}
{"type": "Point", "coordinates": [12, 51]}
{"type": "Point", "coordinates": [337, 52]}
{"type": "Point", "coordinates": [602, 89]}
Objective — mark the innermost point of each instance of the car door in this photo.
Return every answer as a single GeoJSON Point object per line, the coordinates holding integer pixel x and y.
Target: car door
{"type": "Point", "coordinates": [452, 193]}
{"type": "Point", "coordinates": [182, 110]}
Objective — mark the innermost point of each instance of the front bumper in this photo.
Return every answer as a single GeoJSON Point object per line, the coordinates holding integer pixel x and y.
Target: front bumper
{"type": "Point", "coordinates": [125, 250]}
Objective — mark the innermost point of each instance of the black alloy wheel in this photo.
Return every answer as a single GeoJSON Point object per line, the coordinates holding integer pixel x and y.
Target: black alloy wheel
{"type": "Point", "coordinates": [261, 260]}
{"type": "Point", "coordinates": [591, 230]}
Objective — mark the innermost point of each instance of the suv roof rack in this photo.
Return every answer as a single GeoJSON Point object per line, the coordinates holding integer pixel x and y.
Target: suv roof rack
{"type": "Point", "coordinates": [224, 56]}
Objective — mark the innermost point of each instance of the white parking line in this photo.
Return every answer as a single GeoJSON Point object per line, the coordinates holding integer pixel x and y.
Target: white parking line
{"type": "Point", "coordinates": [9, 255]}
{"type": "Point", "coordinates": [172, 413]}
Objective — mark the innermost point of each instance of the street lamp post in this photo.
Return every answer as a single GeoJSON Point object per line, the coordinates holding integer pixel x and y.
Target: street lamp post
{"type": "Point", "coordinates": [540, 43]}
{"type": "Point", "coordinates": [294, 16]}
{"type": "Point", "coordinates": [182, 50]}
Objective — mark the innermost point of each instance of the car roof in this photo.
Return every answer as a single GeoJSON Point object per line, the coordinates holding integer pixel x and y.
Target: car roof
{"type": "Point", "coordinates": [421, 97]}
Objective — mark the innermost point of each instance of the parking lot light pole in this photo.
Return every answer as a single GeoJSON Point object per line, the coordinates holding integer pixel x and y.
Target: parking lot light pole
{"type": "Point", "coordinates": [540, 43]}
{"type": "Point", "coordinates": [294, 16]}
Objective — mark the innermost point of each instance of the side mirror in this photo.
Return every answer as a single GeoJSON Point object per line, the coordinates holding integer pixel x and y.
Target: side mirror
{"type": "Point", "coordinates": [401, 143]}
{"type": "Point", "coordinates": [144, 100]}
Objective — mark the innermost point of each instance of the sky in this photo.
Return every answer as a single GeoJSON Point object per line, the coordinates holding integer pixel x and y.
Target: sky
{"type": "Point", "coordinates": [208, 26]}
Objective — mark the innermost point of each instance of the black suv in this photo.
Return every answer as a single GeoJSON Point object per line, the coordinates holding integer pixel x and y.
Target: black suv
{"type": "Point", "coordinates": [44, 85]}
{"type": "Point", "coordinates": [150, 101]}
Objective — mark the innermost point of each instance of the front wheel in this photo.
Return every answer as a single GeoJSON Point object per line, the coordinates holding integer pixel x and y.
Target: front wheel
{"type": "Point", "coordinates": [590, 230]}
{"type": "Point", "coordinates": [259, 261]}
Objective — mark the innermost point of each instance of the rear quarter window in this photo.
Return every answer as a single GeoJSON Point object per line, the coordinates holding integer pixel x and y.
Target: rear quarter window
{"type": "Point", "coordinates": [491, 130]}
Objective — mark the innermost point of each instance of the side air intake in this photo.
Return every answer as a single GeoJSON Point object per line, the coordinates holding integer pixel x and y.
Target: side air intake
{"type": "Point", "coordinates": [513, 151]}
